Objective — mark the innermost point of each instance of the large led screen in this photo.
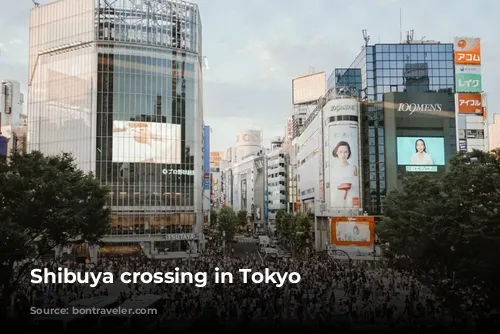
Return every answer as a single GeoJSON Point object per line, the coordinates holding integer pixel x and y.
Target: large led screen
{"type": "Point", "coordinates": [146, 142]}
{"type": "Point", "coordinates": [421, 153]}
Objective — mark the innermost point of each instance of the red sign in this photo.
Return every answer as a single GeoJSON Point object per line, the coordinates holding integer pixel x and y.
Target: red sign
{"type": "Point", "coordinates": [470, 103]}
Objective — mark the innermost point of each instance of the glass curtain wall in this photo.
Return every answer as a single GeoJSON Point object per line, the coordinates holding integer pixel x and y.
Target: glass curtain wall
{"type": "Point", "coordinates": [393, 68]}
{"type": "Point", "coordinates": [149, 116]}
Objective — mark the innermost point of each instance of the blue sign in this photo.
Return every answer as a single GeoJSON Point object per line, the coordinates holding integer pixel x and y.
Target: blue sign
{"type": "Point", "coordinates": [206, 157]}
{"type": "Point", "coordinates": [3, 146]}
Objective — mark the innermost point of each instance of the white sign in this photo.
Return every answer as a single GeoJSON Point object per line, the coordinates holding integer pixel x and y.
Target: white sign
{"type": "Point", "coordinates": [412, 107]}
{"type": "Point", "coordinates": [343, 107]}
{"type": "Point", "coordinates": [177, 172]}
{"type": "Point", "coordinates": [180, 237]}
{"type": "Point", "coordinates": [421, 168]}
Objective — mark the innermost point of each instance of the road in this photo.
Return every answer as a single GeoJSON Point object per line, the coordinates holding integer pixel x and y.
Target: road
{"type": "Point", "coordinates": [246, 246]}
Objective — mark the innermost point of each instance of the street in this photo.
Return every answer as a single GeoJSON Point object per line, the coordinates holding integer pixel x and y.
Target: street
{"type": "Point", "coordinates": [246, 246]}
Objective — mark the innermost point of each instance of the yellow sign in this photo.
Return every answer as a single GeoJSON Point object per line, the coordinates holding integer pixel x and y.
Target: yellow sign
{"type": "Point", "coordinates": [215, 158]}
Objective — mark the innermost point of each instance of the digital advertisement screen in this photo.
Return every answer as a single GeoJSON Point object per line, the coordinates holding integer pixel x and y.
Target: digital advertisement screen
{"type": "Point", "coordinates": [421, 154]}
{"type": "Point", "coordinates": [146, 142]}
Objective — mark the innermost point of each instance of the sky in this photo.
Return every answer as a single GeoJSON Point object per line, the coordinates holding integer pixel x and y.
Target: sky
{"type": "Point", "coordinates": [255, 48]}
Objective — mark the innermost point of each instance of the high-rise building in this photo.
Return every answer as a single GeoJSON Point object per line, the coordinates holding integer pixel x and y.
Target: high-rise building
{"type": "Point", "coordinates": [412, 67]}
{"type": "Point", "coordinates": [119, 85]}
{"type": "Point", "coordinates": [12, 118]}
{"type": "Point", "coordinates": [278, 161]}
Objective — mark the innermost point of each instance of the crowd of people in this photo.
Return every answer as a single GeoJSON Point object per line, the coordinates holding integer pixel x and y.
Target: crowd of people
{"type": "Point", "coordinates": [329, 292]}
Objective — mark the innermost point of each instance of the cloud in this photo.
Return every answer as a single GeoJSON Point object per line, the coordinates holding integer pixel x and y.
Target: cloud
{"type": "Point", "coordinates": [15, 41]}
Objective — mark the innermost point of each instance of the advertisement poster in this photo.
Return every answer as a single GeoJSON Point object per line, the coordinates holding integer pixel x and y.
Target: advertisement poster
{"type": "Point", "coordinates": [468, 83]}
{"type": "Point", "coordinates": [354, 235]}
{"type": "Point", "coordinates": [467, 51]}
{"type": "Point", "coordinates": [470, 103]}
{"type": "Point", "coordinates": [343, 167]}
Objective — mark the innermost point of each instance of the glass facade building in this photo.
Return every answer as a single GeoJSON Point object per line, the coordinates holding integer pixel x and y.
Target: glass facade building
{"type": "Point", "coordinates": [346, 77]}
{"type": "Point", "coordinates": [384, 68]}
{"type": "Point", "coordinates": [119, 85]}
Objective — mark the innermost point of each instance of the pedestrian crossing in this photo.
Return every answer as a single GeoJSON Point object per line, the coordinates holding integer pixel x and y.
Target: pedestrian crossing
{"type": "Point", "coordinates": [246, 240]}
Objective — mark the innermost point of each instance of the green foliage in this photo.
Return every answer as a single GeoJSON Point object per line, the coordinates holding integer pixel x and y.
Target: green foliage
{"type": "Point", "coordinates": [242, 218]}
{"type": "Point", "coordinates": [227, 223]}
{"type": "Point", "coordinates": [447, 232]}
{"type": "Point", "coordinates": [295, 230]}
{"type": "Point", "coordinates": [213, 218]}
{"type": "Point", "coordinates": [45, 201]}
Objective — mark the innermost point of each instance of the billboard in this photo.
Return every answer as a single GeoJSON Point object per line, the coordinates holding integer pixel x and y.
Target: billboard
{"type": "Point", "coordinates": [470, 103]}
{"type": "Point", "coordinates": [138, 142]}
{"type": "Point", "coordinates": [343, 153]}
{"type": "Point", "coordinates": [354, 235]}
{"type": "Point", "coordinates": [468, 83]}
{"type": "Point", "coordinates": [421, 154]}
{"type": "Point", "coordinates": [309, 88]}
{"type": "Point", "coordinates": [206, 157]}
{"type": "Point", "coordinates": [215, 159]}
{"type": "Point", "coordinates": [467, 51]}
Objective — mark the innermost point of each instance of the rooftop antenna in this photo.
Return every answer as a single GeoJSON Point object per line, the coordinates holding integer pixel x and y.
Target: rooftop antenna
{"type": "Point", "coordinates": [35, 3]}
{"type": "Point", "coordinates": [400, 26]}
{"type": "Point", "coordinates": [366, 37]}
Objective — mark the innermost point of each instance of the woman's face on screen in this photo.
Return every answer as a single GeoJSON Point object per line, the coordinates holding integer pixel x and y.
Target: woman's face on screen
{"type": "Point", "coordinates": [343, 153]}
{"type": "Point", "coordinates": [420, 146]}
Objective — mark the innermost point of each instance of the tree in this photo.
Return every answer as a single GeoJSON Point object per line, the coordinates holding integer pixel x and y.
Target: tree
{"type": "Point", "coordinates": [45, 202]}
{"type": "Point", "coordinates": [302, 232]}
{"type": "Point", "coordinates": [242, 218]}
{"type": "Point", "coordinates": [447, 232]}
{"type": "Point", "coordinates": [287, 226]}
{"type": "Point", "coordinates": [213, 218]}
{"type": "Point", "coordinates": [227, 223]}
{"type": "Point", "coordinates": [280, 222]}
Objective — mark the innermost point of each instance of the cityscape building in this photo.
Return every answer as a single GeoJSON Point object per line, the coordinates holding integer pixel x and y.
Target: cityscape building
{"type": "Point", "coordinates": [119, 85]}
{"type": "Point", "coordinates": [12, 119]}
{"type": "Point", "coordinates": [413, 66]}
{"type": "Point", "coordinates": [243, 179]}
{"type": "Point", "coordinates": [278, 161]}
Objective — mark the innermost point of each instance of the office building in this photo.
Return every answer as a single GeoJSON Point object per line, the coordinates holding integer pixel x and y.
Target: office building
{"type": "Point", "coordinates": [12, 118]}
{"type": "Point", "coordinates": [119, 85]}
{"type": "Point", "coordinates": [368, 131]}
{"type": "Point", "coordinates": [277, 180]}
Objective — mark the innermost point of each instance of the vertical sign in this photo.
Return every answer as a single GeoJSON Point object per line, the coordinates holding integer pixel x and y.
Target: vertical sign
{"type": "Point", "coordinates": [343, 153]}
{"type": "Point", "coordinates": [206, 157]}
{"type": "Point", "coordinates": [468, 85]}
{"type": "Point", "coordinates": [467, 54]}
